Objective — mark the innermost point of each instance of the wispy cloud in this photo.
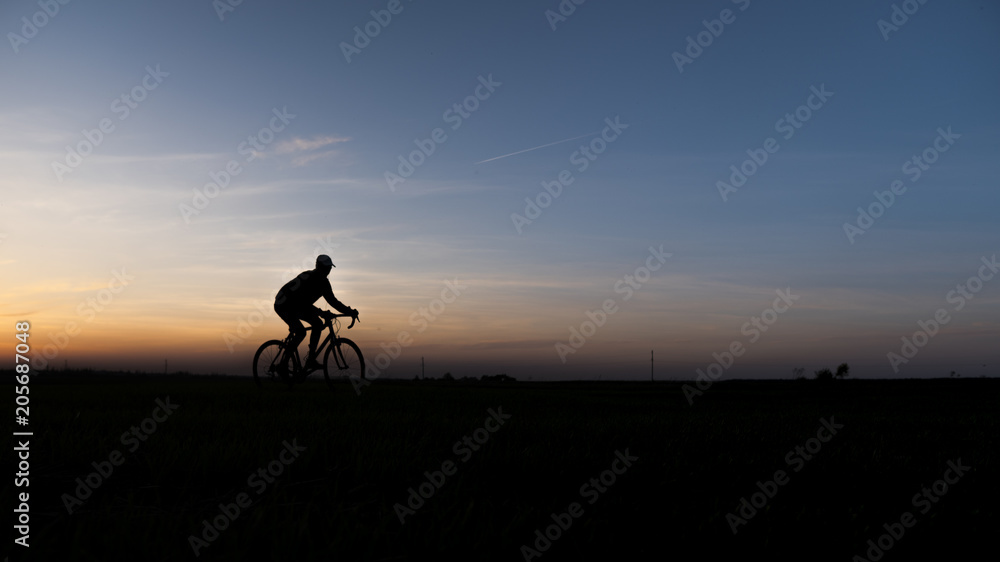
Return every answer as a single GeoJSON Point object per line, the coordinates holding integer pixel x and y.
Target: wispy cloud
{"type": "Point", "coordinates": [302, 145]}
{"type": "Point", "coordinates": [307, 158]}
{"type": "Point", "coordinates": [34, 126]}
{"type": "Point", "coordinates": [305, 150]}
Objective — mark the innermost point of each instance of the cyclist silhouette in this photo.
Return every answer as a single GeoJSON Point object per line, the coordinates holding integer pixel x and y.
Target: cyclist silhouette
{"type": "Point", "coordinates": [294, 303]}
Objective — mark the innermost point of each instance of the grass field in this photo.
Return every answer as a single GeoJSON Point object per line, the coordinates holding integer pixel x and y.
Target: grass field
{"type": "Point", "coordinates": [337, 499]}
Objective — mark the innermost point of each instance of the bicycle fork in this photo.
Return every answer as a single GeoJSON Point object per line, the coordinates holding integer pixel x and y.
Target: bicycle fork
{"type": "Point", "coordinates": [338, 356]}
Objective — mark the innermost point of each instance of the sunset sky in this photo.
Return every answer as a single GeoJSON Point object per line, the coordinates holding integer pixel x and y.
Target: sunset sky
{"type": "Point", "coordinates": [121, 257]}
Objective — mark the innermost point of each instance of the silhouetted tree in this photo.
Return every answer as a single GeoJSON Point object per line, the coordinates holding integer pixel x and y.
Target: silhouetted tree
{"type": "Point", "coordinates": [843, 370]}
{"type": "Point", "coordinates": [823, 375]}
{"type": "Point", "coordinates": [798, 373]}
{"type": "Point", "coordinates": [502, 377]}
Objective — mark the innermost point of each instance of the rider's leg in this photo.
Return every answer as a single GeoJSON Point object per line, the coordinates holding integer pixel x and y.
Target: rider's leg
{"type": "Point", "coordinates": [298, 333]}
{"type": "Point", "coordinates": [317, 328]}
{"type": "Point", "coordinates": [295, 328]}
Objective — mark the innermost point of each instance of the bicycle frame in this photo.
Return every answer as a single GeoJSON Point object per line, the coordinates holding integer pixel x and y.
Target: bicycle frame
{"type": "Point", "coordinates": [332, 338]}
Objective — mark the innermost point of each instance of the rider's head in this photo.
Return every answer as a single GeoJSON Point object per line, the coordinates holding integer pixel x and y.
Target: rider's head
{"type": "Point", "coordinates": [324, 264]}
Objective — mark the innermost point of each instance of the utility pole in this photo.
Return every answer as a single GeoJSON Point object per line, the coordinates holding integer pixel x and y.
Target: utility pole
{"type": "Point", "coordinates": [164, 366]}
{"type": "Point", "coordinates": [422, 376]}
{"type": "Point", "coordinates": [650, 365]}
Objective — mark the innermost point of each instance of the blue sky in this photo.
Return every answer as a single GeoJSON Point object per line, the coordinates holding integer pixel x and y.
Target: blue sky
{"type": "Point", "coordinates": [322, 177]}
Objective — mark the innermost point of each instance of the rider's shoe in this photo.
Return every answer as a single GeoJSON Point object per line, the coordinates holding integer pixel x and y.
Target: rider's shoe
{"type": "Point", "coordinates": [311, 365]}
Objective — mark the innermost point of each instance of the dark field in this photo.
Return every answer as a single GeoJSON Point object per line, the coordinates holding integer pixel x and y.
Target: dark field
{"type": "Point", "coordinates": [335, 500]}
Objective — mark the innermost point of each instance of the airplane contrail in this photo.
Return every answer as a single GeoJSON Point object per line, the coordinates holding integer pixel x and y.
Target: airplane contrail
{"type": "Point", "coordinates": [536, 148]}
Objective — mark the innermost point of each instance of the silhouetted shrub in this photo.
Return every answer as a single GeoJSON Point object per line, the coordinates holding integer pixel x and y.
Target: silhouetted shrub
{"type": "Point", "coordinates": [842, 370]}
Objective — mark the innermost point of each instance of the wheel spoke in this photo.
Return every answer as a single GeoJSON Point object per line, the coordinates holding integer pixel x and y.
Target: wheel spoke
{"type": "Point", "coordinates": [271, 364]}
{"type": "Point", "coordinates": [344, 361]}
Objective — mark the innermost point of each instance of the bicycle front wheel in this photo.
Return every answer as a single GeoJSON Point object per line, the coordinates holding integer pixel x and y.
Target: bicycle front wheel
{"type": "Point", "coordinates": [268, 366]}
{"type": "Point", "coordinates": [343, 359]}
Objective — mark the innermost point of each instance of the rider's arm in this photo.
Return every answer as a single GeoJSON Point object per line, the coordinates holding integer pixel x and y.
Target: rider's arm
{"type": "Point", "coordinates": [328, 295]}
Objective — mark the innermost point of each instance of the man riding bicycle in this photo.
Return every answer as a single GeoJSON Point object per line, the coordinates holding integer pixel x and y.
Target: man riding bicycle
{"type": "Point", "coordinates": [294, 303]}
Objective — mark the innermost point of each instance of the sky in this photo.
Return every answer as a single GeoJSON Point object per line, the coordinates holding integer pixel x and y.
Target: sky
{"type": "Point", "coordinates": [759, 186]}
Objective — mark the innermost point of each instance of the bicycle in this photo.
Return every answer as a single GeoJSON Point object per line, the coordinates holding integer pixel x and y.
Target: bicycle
{"type": "Point", "coordinates": [278, 362]}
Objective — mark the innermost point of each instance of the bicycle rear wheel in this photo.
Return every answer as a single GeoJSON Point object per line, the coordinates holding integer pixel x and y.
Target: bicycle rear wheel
{"type": "Point", "coordinates": [272, 366]}
{"type": "Point", "coordinates": [343, 359]}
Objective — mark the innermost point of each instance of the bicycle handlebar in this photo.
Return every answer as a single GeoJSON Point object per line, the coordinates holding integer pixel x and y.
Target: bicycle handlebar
{"type": "Point", "coordinates": [353, 318]}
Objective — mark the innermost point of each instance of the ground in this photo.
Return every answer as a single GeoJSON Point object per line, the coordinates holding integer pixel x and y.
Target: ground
{"type": "Point", "coordinates": [854, 456]}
